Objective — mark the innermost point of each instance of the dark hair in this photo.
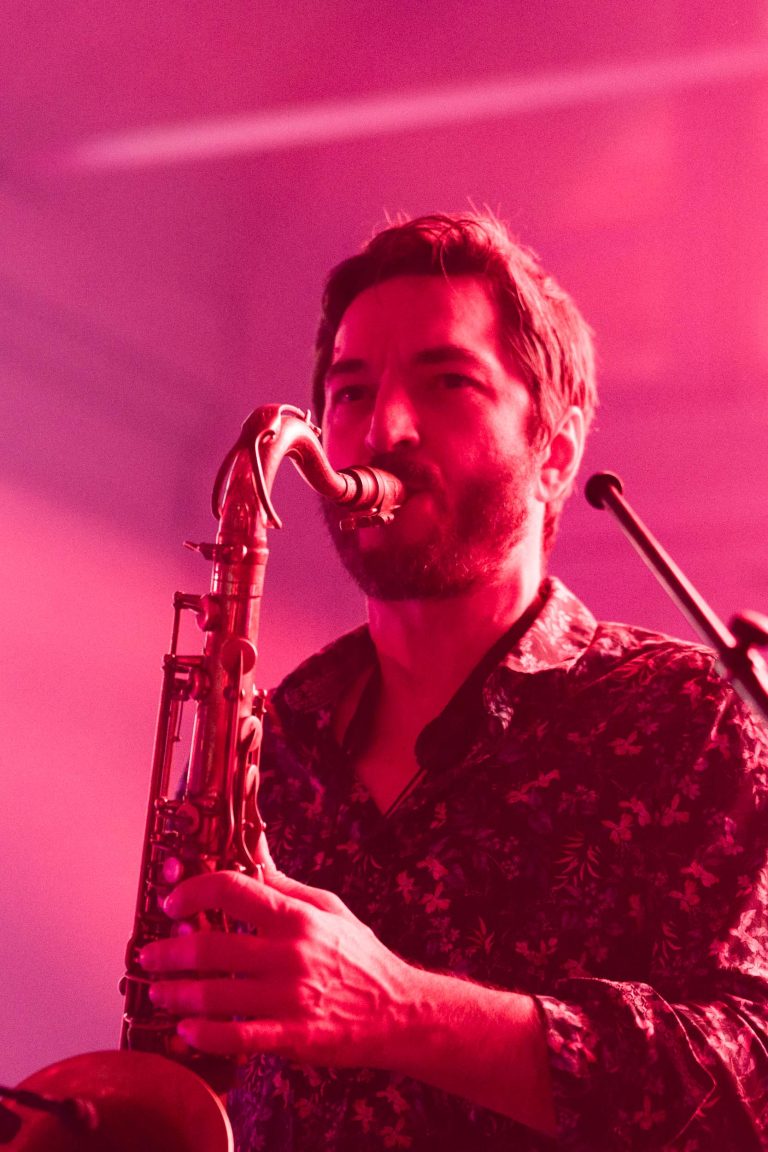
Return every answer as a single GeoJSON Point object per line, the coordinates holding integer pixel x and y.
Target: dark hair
{"type": "Point", "coordinates": [541, 327]}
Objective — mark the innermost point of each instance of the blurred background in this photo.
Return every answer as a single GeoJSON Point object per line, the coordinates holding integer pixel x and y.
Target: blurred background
{"type": "Point", "coordinates": [175, 181]}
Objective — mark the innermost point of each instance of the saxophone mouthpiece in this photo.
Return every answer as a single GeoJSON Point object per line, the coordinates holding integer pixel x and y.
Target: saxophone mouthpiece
{"type": "Point", "coordinates": [371, 498]}
{"type": "Point", "coordinates": [372, 520]}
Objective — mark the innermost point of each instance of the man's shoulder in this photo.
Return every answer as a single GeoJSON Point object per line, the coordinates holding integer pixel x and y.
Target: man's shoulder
{"type": "Point", "coordinates": [668, 685]}
{"type": "Point", "coordinates": [651, 659]}
{"type": "Point", "coordinates": [565, 635]}
{"type": "Point", "coordinates": [321, 678]}
{"type": "Point", "coordinates": [618, 639]}
{"type": "Point", "coordinates": [300, 709]}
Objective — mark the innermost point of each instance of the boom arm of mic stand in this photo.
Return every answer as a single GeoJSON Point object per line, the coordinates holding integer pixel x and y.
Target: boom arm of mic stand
{"type": "Point", "coordinates": [736, 661]}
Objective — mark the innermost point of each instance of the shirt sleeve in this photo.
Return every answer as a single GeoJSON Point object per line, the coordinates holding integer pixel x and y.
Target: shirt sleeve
{"type": "Point", "coordinates": [681, 1061]}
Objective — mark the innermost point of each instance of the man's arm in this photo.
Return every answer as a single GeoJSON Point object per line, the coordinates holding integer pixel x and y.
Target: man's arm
{"type": "Point", "coordinates": [486, 1045]}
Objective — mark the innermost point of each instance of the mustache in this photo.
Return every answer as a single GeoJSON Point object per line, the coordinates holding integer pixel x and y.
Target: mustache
{"type": "Point", "coordinates": [416, 475]}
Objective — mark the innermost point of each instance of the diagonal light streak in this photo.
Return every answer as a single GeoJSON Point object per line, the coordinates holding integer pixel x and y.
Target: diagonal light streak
{"type": "Point", "coordinates": [326, 122]}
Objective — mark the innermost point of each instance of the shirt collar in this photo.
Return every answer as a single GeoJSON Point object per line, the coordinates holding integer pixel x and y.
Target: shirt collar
{"type": "Point", "coordinates": [558, 636]}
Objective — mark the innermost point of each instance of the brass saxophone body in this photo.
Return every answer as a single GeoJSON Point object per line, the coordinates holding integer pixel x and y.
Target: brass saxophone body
{"type": "Point", "coordinates": [202, 817]}
{"type": "Point", "coordinates": [214, 823]}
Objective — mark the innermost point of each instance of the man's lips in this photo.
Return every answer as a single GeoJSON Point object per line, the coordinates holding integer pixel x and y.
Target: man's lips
{"type": "Point", "coordinates": [417, 476]}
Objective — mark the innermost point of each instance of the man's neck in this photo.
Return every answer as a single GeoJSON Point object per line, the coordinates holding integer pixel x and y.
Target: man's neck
{"type": "Point", "coordinates": [427, 648]}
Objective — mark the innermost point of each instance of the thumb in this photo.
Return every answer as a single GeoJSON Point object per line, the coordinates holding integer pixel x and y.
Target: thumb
{"type": "Point", "coordinates": [319, 898]}
{"type": "Point", "coordinates": [262, 856]}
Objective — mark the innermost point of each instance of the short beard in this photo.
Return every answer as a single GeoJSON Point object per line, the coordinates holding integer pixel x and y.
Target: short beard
{"type": "Point", "coordinates": [463, 548]}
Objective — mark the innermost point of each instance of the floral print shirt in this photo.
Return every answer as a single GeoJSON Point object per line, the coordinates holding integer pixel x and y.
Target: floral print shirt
{"type": "Point", "coordinates": [590, 826]}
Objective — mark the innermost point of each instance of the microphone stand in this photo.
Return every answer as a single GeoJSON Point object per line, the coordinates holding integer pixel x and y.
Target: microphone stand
{"type": "Point", "coordinates": [737, 661]}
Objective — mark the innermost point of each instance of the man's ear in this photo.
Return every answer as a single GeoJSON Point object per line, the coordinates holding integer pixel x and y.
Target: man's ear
{"type": "Point", "coordinates": [561, 457]}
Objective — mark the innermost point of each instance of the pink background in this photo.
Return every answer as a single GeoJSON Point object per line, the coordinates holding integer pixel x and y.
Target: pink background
{"type": "Point", "coordinates": [176, 180]}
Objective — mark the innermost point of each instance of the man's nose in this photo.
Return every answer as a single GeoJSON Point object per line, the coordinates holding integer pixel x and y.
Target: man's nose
{"type": "Point", "coordinates": [394, 422]}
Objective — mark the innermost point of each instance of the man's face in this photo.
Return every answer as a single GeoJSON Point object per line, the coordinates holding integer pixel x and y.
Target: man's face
{"type": "Point", "coordinates": [419, 385]}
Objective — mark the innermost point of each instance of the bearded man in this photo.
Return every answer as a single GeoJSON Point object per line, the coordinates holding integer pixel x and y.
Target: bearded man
{"type": "Point", "coordinates": [519, 890]}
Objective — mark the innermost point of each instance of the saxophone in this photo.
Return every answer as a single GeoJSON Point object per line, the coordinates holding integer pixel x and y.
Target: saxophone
{"type": "Point", "coordinates": [156, 1092]}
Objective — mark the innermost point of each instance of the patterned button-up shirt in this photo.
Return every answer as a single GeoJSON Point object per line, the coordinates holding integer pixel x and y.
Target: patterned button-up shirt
{"type": "Point", "coordinates": [590, 826]}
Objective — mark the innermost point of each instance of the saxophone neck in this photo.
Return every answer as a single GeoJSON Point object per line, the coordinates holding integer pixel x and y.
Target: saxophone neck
{"type": "Point", "coordinates": [276, 431]}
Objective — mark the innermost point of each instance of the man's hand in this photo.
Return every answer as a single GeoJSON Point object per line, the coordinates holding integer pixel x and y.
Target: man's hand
{"type": "Point", "coordinates": [312, 982]}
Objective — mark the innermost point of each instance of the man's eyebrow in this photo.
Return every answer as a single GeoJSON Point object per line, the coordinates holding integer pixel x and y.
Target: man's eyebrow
{"type": "Point", "coordinates": [344, 367]}
{"type": "Point", "coordinates": [438, 354]}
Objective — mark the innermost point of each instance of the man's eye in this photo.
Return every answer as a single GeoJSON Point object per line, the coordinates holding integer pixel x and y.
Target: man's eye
{"type": "Point", "coordinates": [347, 394]}
{"type": "Point", "coordinates": [455, 380]}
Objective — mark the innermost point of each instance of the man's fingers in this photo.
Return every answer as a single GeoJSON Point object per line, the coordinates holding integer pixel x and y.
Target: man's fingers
{"type": "Point", "coordinates": [221, 997]}
{"type": "Point", "coordinates": [230, 952]}
{"type": "Point", "coordinates": [317, 897]}
{"type": "Point", "coordinates": [260, 902]}
{"type": "Point", "coordinates": [243, 898]}
{"type": "Point", "coordinates": [235, 1038]}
